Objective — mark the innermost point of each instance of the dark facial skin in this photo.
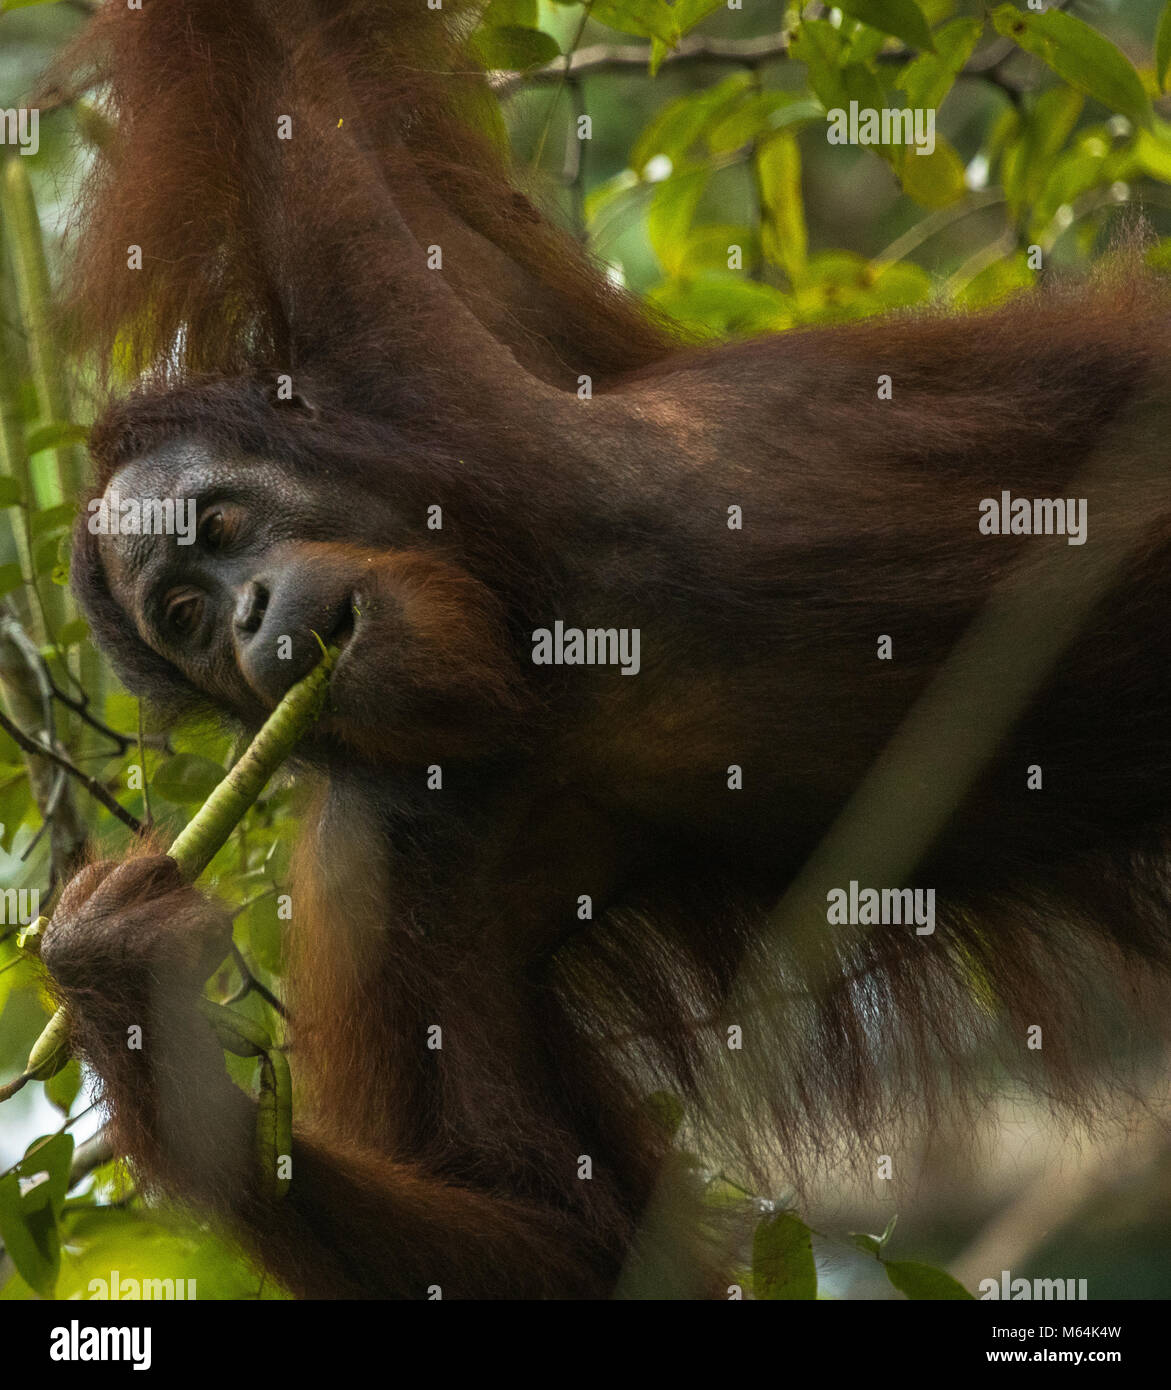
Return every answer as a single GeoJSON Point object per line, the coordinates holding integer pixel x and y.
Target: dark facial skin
{"type": "Point", "coordinates": [279, 562]}
{"type": "Point", "coordinates": [218, 608]}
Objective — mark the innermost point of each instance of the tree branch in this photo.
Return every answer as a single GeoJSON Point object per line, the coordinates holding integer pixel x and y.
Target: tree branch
{"type": "Point", "coordinates": [615, 57]}
{"type": "Point", "coordinates": [80, 706]}
{"type": "Point", "coordinates": [91, 1153]}
{"type": "Point", "coordinates": [601, 58]}
{"type": "Point", "coordinates": [91, 784]}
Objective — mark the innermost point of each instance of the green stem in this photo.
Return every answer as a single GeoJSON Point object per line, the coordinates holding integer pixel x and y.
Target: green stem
{"type": "Point", "coordinates": [35, 290]}
{"type": "Point", "coordinates": [13, 455]}
{"type": "Point", "coordinates": [208, 830]}
{"type": "Point", "coordinates": [36, 303]}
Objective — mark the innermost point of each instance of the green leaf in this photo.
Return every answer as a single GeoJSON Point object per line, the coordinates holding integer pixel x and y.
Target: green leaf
{"type": "Point", "coordinates": [513, 49]}
{"type": "Point", "coordinates": [866, 43]}
{"type": "Point", "coordinates": [1075, 172]}
{"type": "Point", "coordinates": [843, 269]}
{"type": "Point", "coordinates": [502, 14]}
{"type": "Point", "coordinates": [996, 282]}
{"type": "Point", "coordinates": [28, 1218]}
{"type": "Point", "coordinates": [872, 1245]}
{"type": "Point", "coordinates": [670, 216]}
{"type": "Point", "coordinates": [1004, 130]}
{"type": "Point", "coordinates": [186, 778]}
{"type": "Point", "coordinates": [680, 124]}
{"type": "Point", "coordinates": [150, 1245]}
{"type": "Point", "coordinates": [16, 805]}
{"type": "Point", "coordinates": [707, 248]}
{"type": "Point", "coordinates": [928, 78]}
{"type": "Point", "coordinates": [1153, 151]}
{"type": "Point", "coordinates": [838, 285]}
{"type": "Point", "coordinates": [861, 85]}
{"type": "Point", "coordinates": [1163, 47]}
{"type": "Point", "coordinates": [62, 1089]}
{"type": "Point", "coordinates": [727, 1196]}
{"type": "Point", "coordinates": [10, 493]}
{"type": "Point", "coordinates": [1081, 55]}
{"type": "Point", "coordinates": [689, 13]}
{"type": "Point", "coordinates": [56, 435]}
{"type": "Point", "coordinates": [69, 634]}
{"type": "Point", "coordinates": [900, 285]}
{"type": "Point", "coordinates": [933, 180]}
{"type": "Point", "coordinates": [919, 1281]}
{"type": "Point", "coordinates": [51, 519]}
{"type": "Point", "coordinates": [782, 1258]}
{"type": "Point", "coordinates": [761, 114]}
{"type": "Point", "coordinates": [10, 578]}
{"type": "Point", "coordinates": [649, 19]}
{"type": "Point", "coordinates": [209, 742]}
{"type": "Point", "coordinates": [1028, 162]}
{"type": "Point", "coordinates": [819, 46]}
{"type": "Point", "coordinates": [611, 197]}
{"type": "Point", "coordinates": [783, 235]}
{"type": "Point", "coordinates": [901, 18]}
{"type": "Point", "coordinates": [14, 974]}
{"type": "Point", "coordinates": [725, 304]}
{"type": "Point", "coordinates": [47, 554]}
{"type": "Point", "coordinates": [261, 934]}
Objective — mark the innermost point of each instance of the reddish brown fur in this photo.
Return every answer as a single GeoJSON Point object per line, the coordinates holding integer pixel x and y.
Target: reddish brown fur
{"type": "Point", "coordinates": [459, 1168]}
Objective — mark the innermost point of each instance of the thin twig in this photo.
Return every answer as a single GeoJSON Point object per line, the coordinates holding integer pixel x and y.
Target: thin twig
{"type": "Point", "coordinates": [92, 1153]}
{"type": "Point", "coordinates": [147, 813]}
{"type": "Point", "coordinates": [60, 782]}
{"type": "Point", "coordinates": [80, 706]}
{"type": "Point", "coordinates": [978, 200]}
{"type": "Point", "coordinates": [91, 784]}
{"type": "Point", "coordinates": [616, 57]}
{"type": "Point", "coordinates": [40, 1144]}
{"type": "Point", "coordinates": [251, 985]}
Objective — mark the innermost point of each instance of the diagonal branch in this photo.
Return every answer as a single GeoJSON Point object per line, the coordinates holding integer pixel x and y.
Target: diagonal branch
{"type": "Point", "coordinates": [91, 784]}
{"type": "Point", "coordinates": [986, 66]}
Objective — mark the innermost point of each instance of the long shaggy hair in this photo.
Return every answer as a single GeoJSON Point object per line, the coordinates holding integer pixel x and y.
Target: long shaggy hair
{"type": "Point", "coordinates": [262, 255]}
